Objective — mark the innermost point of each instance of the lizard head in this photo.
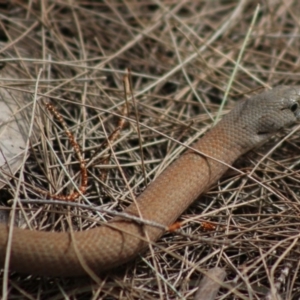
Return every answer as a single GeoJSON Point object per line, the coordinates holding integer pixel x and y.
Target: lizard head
{"type": "Point", "coordinates": [261, 116]}
{"type": "Point", "coordinates": [279, 108]}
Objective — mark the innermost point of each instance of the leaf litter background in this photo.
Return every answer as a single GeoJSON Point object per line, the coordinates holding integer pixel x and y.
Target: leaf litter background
{"type": "Point", "coordinates": [182, 55]}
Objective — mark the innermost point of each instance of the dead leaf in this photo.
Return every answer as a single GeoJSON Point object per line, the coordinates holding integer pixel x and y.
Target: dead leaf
{"type": "Point", "coordinates": [15, 115]}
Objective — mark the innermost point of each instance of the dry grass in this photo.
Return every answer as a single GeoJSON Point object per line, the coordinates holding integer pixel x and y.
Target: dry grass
{"type": "Point", "coordinates": [182, 55]}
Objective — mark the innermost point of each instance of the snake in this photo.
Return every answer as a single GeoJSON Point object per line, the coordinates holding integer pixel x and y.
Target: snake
{"type": "Point", "coordinates": [65, 254]}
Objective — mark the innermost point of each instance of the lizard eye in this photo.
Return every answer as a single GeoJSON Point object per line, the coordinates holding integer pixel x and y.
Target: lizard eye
{"type": "Point", "coordinates": [294, 107]}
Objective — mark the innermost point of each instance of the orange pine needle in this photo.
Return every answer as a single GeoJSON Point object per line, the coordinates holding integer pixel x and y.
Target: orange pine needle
{"type": "Point", "coordinates": [84, 177]}
{"type": "Point", "coordinates": [174, 226]}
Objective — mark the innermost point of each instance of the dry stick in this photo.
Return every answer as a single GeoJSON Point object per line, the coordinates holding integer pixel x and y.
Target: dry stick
{"type": "Point", "coordinates": [124, 215]}
{"type": "Point", "coordinates": [84, 178]}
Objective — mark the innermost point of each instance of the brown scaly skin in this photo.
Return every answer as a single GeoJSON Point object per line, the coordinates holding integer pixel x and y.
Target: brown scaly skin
{"type": "Point", "coordinates": [249, 124]}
